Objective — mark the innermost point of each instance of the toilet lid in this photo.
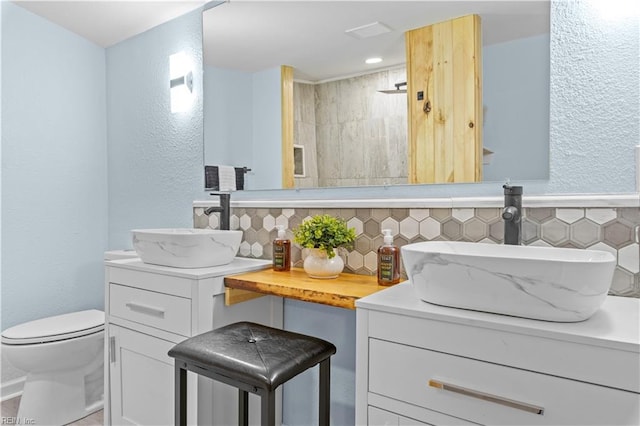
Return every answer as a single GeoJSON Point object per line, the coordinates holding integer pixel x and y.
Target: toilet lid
{"type": "Point", "coordinates": [55, 328]}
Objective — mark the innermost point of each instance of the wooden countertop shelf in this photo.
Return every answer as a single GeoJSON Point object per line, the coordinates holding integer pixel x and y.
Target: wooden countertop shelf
{"type": "Point", "coordinates": [296, 284]}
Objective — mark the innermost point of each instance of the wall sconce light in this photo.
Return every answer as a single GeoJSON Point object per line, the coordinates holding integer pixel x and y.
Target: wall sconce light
{"type": "Point", "coordinates": [180, 82]}
{"type": "Point", "coordinates": [187, 80]}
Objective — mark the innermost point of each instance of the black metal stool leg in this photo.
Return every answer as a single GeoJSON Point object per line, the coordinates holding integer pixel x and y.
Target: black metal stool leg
{"type": "Point", "coordinates": [243, 408]}
{"type": "Point", "coordinates": [180, 395]}
{"type": "Point", "coordinates": [325, 386]}
{"type": "Point", "coordinates": [268, 409]}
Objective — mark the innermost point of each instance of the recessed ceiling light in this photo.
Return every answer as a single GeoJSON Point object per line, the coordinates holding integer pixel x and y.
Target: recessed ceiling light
{"type": "Point", "coordinates": [373, 61]}
{"type": "Point", "coordinates": [369, 30]}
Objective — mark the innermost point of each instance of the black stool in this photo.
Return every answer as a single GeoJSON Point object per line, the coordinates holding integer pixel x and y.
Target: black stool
{"type": "Point", "coordinates": [254, 358]}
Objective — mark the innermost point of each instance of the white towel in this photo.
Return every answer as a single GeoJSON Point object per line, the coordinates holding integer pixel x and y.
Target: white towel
{"type": "Point", "coordinates": [227, 176]}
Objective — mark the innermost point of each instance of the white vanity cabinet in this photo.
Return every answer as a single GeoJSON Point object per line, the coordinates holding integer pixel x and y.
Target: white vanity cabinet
{"type": "Point", "coordinates": [421, 363]}
{"type": "Point", "coordinates": [148, 310]}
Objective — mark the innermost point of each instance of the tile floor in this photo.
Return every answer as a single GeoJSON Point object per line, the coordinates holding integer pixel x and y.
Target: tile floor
{"type": "Point", "coordinates": [9, 409]}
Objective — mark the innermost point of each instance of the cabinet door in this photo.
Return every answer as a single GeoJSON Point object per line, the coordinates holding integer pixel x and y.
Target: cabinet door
{"type": "Point", "coordinates": [142, 379]}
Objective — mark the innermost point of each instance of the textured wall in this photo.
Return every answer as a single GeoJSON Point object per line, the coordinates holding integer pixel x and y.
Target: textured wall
{"type": "Point", "coordinates": [595, 99]}
{"type": "Point", "coordinates": [54, 173]}
{"type": "Point", "coordinates": [155, 157]}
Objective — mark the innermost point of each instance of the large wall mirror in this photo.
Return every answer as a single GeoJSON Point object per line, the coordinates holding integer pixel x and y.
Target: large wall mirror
{"type": "Point", "coordinates": [349, 116]}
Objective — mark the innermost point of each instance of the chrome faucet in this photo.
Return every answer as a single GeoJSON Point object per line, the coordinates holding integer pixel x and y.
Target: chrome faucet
{"type": "Point", "coordinates": [512, 214]}
{"type": "Point", "coordinates": [224, 209]}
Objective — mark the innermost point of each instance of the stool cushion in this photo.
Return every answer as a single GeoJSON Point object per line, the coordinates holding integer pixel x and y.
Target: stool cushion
{"type": "Point", "coordinates": [254, 354]}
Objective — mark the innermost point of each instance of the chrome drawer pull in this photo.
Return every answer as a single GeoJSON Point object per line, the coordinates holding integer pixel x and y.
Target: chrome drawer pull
{"type": "Point", "coordinates": [487, 397]}
{"type": "Point", "coordinates": [144, 309]}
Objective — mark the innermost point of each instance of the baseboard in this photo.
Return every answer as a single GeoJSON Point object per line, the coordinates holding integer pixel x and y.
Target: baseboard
{"type": "Point", "coordinates": [97, 406]}
{"type": "Point", "coordinates": [12, 388]}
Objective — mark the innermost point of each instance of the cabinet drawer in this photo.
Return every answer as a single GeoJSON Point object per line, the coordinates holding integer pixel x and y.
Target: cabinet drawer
{"type": "Point", "coordinates": [158, 310]}
{"type": "Point", "coordinates": [492, 394]}
{"type": "Point", "coordinates": [378, 417]}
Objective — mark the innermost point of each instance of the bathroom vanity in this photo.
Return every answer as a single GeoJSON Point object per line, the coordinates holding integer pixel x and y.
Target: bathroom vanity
{"type": "Point", "coordinates": [148, 310]}
{"type": "Point", "coordinates": [421, 363]}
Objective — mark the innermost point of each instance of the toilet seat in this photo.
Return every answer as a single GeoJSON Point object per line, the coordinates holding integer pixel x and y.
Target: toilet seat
{"type": "Point", "coordinates": [53, 329]}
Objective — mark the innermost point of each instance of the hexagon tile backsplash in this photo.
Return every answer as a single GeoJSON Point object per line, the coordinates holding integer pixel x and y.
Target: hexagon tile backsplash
{"type": "Point", "coordinates": [609, 229]}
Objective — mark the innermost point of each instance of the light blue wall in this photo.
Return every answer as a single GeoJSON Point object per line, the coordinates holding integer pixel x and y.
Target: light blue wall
{"type": "Point", "coordinates": [515, 90]}
{"type": "Point", "coordinates": [300, 395]}
{"type": "Point", "coordinates": [267, 133]}
{"type": "Point", "coordinates": [54, 169]}
{"type": "Point", "coordinates": [228, 99]}
{"type": "Point", "coordinates": [155, 156]}
{"type": "Point", "coordinates": [242, 123]}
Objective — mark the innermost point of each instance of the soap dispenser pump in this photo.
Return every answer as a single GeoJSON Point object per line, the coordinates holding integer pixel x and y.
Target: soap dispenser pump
{"type": "Point", "coordinates": [388, 261]}
{"type": "Point", "coordinates": [281, 251]}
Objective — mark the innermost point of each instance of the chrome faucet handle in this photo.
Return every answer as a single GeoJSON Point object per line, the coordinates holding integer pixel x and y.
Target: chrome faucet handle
{"type": "Point", "coordinates": [509, 213]}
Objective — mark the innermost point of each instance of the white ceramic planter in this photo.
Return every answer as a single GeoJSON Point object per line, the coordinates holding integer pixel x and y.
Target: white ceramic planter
{"type": "Point", "coordinates": [318, 265]}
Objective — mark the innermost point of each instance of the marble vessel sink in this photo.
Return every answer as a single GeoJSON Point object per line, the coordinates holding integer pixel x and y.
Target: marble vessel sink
{"type": "Point", "coordinates": [185, 247]}
{"type": "Point", "coordinates": [543, 283]}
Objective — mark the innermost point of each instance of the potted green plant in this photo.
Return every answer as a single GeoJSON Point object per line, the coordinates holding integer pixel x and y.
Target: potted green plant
{"type": "Point", "coordinates": [322, 235]}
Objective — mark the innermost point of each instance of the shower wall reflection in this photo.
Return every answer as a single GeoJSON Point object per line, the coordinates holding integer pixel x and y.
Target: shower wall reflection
{"type": "Point", "coordinates": [353, 135]}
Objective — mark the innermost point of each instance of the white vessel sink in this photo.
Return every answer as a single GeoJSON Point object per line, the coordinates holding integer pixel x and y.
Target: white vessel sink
{"type": "Point", "coordinates": [544, 283]}
{"type": "Point", "coordinates": [185, 247]}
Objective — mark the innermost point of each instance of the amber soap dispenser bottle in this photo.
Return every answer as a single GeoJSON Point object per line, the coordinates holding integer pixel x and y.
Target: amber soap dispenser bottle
{"type": "Point", "coordinates": [281, 251]}
{"type": "Point", "coordinates": [388, 261]}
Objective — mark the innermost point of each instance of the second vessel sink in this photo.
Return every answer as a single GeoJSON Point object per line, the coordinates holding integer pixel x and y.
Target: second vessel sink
{"type": "Point", "coordinates": [544, 283]}
{"type": "Point", "coordinates": [186, 247]}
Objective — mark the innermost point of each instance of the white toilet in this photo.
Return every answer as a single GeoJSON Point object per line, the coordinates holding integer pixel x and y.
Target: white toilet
{"type": "Point", "coordinates": [62, 355]}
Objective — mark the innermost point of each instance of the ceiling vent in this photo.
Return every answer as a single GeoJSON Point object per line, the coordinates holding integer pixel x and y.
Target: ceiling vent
{"type": "Point", "coordinates": [369, 30]}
